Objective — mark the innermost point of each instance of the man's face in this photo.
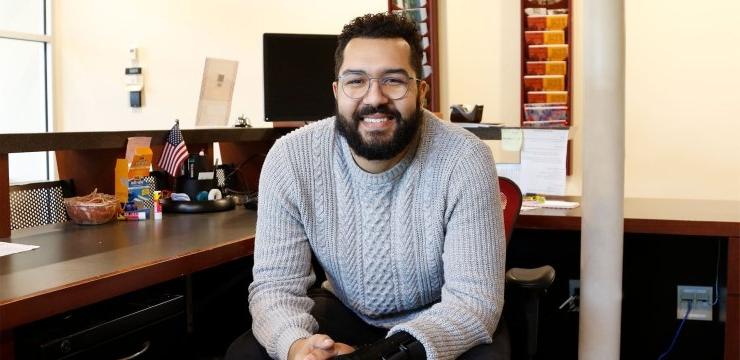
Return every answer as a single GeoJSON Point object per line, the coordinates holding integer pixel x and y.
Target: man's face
{"type": "Point", "coordinates": [377, 127]}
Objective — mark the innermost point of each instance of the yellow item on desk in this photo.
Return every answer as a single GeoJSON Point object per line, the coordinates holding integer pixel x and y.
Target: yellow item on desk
{"type": "Point", "coordinates": [121, 180]}
{"type": "Point", "coordinates": [539, 199]}
{"type": "Point", "coordinates": [141, 163]}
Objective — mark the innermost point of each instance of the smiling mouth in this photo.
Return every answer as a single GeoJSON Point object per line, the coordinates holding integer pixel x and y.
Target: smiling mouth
{"type": "Point", "coordinates": [376, 120]}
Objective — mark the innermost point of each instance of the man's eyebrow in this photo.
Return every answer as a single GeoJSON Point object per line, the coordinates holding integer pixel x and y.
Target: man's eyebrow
{"type": "Point", "coordinates": [385, 72]}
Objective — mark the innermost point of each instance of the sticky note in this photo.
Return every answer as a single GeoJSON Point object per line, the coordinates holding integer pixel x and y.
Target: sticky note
{"type": "Point", "coordinates": [511, 139]}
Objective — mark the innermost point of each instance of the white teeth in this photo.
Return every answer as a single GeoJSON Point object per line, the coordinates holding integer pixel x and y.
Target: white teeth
{"type": "Point", "coordinates": [375, 120]}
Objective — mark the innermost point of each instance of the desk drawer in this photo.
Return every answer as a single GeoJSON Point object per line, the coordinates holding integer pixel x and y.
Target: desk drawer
{"type": "Point", "coordinates": [112, 329]}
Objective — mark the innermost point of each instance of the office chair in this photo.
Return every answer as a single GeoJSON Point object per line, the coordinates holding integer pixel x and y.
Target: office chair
{"type": "Point", "coordinates": [40, 203]}
{"type": "Point", "coordinates": [524, 287]}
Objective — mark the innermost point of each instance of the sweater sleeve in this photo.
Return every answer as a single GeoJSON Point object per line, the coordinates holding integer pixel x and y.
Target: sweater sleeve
{"type": "Point", "coordinates": [474, 254]}
{"type": "Point", "coordinates": [282, 260]}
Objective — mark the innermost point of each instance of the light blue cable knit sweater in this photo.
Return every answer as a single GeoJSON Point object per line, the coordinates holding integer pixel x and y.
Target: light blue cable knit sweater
{"type": "Point", "coordinates": [418, 248]}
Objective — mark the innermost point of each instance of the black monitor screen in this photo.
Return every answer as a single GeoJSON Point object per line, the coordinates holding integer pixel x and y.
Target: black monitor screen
{"type": "Point", "coordinates": [299, 70]}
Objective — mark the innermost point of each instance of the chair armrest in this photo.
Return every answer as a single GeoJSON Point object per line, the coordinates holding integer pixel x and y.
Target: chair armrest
{"type": "Point", "coordinates": [538, 278]}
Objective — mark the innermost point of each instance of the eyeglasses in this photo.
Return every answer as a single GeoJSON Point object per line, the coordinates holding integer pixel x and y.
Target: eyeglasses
{"type": "Point", "coordinates": [356, 85]}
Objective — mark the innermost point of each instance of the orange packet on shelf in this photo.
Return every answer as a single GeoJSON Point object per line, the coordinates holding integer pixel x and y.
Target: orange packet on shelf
{"type": "Point", "coordinates": [552, 97]}
{"type": "Point", "coordinates": [547, 52]}
{"type": "Point", "coordinates": [547, 67]}
{"type": "Point", "coordinates": [547, 22]}
{"type": "Point", "coordinates": [544, 82]}
{"type": "Point", "coordinates": [544, 37]}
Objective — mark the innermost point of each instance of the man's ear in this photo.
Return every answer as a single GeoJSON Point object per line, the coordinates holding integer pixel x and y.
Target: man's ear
{"type": "Point", "coordinates": [334, 89]}
{"type": "Point", "coordinates": [423, 89]}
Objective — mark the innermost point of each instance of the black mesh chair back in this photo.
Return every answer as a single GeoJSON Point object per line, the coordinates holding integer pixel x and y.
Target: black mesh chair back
{"type": "Point", "coordinates": [41, 203]}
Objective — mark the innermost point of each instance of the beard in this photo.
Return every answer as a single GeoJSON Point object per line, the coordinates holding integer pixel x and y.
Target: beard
{"type": "Point", "coordinates": [375, 148]}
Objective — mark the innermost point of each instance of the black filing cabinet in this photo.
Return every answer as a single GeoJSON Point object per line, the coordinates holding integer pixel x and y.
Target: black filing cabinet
{"type": "Point", "coordinates": [148, 324]}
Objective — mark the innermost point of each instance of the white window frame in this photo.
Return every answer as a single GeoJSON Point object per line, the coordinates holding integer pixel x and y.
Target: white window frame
{"type": "Point", "coordinates": [47, 40]}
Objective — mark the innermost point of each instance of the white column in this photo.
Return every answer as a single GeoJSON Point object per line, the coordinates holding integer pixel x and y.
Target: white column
{"type": "Point", "coordinates": [603, 179]}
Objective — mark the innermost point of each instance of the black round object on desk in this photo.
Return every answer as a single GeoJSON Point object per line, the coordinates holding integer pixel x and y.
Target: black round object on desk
{"type": "Point", "coordinates": [170, 206]}
{"type": "Point", "coordinates": [192, 186]}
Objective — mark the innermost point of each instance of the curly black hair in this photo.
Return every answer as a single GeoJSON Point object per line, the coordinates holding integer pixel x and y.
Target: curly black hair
{"type": "Point", "coordinates": [381, 26]}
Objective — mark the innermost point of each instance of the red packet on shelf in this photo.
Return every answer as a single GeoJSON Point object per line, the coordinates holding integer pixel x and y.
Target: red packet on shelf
{"type": "Point", "coordinates": [552, 97]}
{"type": "Point", "coordinates": [544, 37]}
{"type": "Point", "coordinates": [547, 67]}
{"type": "Point", "coordinates": [557, 52]}
{"type": "Point", "coordinates": [547, 22]}
{"type": "Point", "coordinates": [544, 82]}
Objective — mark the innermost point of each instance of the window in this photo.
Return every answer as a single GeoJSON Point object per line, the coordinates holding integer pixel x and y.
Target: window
{"type": "Point", "coordinates": [24, 89]}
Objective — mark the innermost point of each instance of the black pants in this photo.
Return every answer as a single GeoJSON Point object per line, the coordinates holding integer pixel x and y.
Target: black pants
{"type": "Point", "coordinates": [342, 325]}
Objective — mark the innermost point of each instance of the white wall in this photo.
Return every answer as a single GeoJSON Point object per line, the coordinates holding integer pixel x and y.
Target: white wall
{"type": "Point", "coordinates": [174, 37]}
{"type": "Point", "coordinates": [681, 100]}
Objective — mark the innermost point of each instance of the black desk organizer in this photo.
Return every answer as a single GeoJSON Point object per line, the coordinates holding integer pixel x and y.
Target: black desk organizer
{"type": "Point", "coordinates": [169, 206]}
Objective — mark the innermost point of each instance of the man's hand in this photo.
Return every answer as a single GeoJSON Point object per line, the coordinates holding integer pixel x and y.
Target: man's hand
{"type": "Point", "coordinates": [317, 347]}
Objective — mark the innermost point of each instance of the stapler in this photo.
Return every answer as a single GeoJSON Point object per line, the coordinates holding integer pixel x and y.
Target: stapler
{"type": "Point", "coordinates": [460, 113]}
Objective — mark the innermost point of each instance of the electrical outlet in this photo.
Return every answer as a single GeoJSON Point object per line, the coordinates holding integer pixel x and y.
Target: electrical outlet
{"type": "Point", "coordinates": [574, 287]}
{"type": "Point", "coordinates": [700, 298]}
{"type": "Point", "coordinates": [574, 291]}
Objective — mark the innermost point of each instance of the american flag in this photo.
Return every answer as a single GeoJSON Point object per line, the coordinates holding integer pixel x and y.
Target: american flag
{"type": "Point", "coordinates": [175, 151]}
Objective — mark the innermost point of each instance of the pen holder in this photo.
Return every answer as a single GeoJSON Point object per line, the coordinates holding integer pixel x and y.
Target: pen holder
{"type": "Point", "coordinates": [192, 187]}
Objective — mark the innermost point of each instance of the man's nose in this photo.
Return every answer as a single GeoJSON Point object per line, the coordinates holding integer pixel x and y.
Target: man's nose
{"type": "Point", "coordinates": [375, 94]}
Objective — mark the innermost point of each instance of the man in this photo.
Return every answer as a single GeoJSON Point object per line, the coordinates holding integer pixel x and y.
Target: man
{"type": "Point", "coordinates": [400, 209]}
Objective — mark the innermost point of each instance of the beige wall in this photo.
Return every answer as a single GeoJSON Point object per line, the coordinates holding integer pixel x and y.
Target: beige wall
{"type": "Point", "coordinates": [681, 83]}
{"type": "Point", "coordinates": [682, 99]}
{"type": "Point", "coordinates": [173, 37]}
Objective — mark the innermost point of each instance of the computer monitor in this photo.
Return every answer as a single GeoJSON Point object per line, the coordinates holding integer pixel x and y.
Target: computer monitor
{"type": "Point", "coordinates": [298, 73]}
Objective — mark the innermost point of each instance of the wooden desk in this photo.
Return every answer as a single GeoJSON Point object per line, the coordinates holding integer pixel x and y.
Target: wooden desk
{"type": "Point", "coordinates": [80, 265]}
{"type": "Point", "coordinates": [669, 217]}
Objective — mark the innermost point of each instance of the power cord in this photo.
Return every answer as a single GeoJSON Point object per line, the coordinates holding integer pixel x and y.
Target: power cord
{"type": "Point", "coordinates": [716, 274]}
{"type": "Point", "coordinates": [688, 309]}
{"type": "Point", "coordinates": [678, 332]}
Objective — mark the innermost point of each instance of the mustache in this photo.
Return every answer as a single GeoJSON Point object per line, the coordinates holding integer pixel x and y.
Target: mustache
{"type": "Point", "coordinates": [380, 109]}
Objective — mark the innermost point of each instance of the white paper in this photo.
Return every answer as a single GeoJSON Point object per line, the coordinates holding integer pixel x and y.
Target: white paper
{"type": "Point", "coordinates": [478, 125]}
{"type": "Point", "coordinates": [136, 142]}
{"type": "Point", "coordinates": [7, 248]}
{"type": "Point", "coordinates": [511, 171]}
{"type": "Point", "coordinates": [543, 161]}
{"type": "Point", "coordinates": [511, 139]}
{"type": "Point", "coordinates": [559, 204]}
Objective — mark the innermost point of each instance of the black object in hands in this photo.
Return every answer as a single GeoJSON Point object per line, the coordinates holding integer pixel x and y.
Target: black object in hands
{"type": "Point", "coordinates": [399, 346]}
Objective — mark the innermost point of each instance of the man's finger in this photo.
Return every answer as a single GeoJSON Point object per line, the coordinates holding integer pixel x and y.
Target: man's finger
{"type": "Point", "coordinates": [321, 341]}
